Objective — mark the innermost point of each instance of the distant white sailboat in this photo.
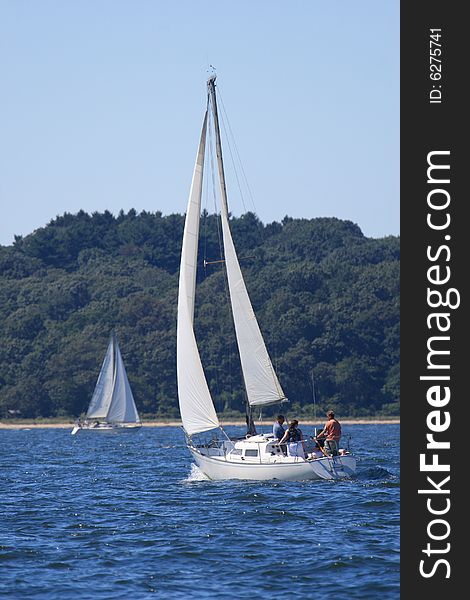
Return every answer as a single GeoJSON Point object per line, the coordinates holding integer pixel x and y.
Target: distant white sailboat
{"type": "Point", "coordinates": [256, 457]}
{"type": "Point", "coordinates": [112, 406]}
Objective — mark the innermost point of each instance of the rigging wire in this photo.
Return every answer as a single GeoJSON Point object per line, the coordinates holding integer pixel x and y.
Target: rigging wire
{"type": "Point", "coordinates": [314, 404]}
{"type": "Point", "coordinates": [215, 133]}
{"type": "Point", "coordinates": [233, 162]}
{"type": "Point", "coordinates": [236, 151]}
{"type": "Point", "coordinates": [241, 193]}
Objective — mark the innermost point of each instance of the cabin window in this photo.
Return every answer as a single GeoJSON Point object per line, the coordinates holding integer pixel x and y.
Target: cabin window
{"type": "Point", "coordinates": [236, 451]}
{"type": "Point", "coordinates": [251, 452]}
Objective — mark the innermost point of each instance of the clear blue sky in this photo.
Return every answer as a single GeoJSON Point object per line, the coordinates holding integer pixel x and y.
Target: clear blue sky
{"type": "Point", "coordinates": [102, 103]}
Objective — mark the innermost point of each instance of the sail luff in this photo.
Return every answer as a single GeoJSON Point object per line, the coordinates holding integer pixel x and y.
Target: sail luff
{"type": "Point", "coordinates": [261, 382]}
{"type": "Point", "coordinates": [195, 401]}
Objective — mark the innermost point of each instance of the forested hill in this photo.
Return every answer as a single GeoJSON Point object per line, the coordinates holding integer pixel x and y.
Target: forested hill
{"type": "Point", "coordinates": [326, 297]}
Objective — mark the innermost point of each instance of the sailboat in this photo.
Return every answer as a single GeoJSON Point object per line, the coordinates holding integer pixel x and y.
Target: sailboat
{"type": "Point", "coordinates": [256, 456]}
{"type": "Point", "coordinates": [112, 407]}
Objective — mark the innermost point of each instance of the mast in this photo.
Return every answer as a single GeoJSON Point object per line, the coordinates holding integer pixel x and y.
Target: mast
{"type": "Point", "coordinates": [113, 355]}
{"type": "Point", "coordinates": [218, 144]}
{"type": "Point", "coordinates": [113, 370]}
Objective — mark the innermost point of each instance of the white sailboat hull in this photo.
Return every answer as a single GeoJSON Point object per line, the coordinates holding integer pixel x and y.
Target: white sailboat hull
{"type": "Point", "coordinates": [216, 468]}
{"type": "Point", "coordinates": [108, 428]}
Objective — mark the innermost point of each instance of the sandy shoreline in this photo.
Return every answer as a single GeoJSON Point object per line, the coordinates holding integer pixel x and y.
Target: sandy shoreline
{"type": "Point", "coordinates": [178, 424]}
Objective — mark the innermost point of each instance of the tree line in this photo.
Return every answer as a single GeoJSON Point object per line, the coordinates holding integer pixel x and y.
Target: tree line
{"type": "Point", "coordinates": [326, 298]}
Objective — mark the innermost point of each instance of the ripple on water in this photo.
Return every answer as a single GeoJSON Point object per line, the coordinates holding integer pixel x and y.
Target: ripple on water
{"type": "Point", "coordinates": [88, 517]}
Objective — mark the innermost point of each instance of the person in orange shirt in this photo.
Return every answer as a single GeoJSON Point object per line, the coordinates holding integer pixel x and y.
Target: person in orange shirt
{"type": "Point", "coordinates": [331, 433]}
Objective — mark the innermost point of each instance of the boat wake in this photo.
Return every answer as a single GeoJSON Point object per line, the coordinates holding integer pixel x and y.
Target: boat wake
{"type": "Point", "coordinates": [195, 475]}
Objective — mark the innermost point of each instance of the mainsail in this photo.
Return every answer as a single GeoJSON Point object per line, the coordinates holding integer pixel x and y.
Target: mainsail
{"type": "Point", "coordinates": [196, 406]}
{"type": "Point", "coordinates": [112, 400]}
{"type": "Point", "coordinates": [261, 382]}
{"type": "Point", "coordinates": [103, 392]}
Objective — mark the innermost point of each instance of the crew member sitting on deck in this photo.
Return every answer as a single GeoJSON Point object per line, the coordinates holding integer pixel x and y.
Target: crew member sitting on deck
{"type": "Point", "coordinates": [294, 438]}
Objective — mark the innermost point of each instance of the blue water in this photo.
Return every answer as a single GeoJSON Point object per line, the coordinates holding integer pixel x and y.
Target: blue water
{"type": "Point", "coordinates": [104, 516]}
